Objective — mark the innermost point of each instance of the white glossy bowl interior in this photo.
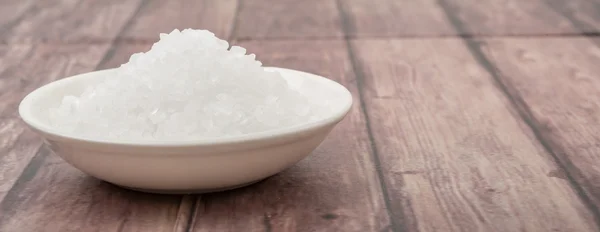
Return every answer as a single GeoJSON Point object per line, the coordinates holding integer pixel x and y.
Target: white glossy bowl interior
{"type": "Point", "coordinates": [187, 166]}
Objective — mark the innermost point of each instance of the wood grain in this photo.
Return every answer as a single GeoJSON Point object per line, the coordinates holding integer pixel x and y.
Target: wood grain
{"type": "Point", "coordinates": [556, 80]}
{"type": "Point", "coordinates": [17, 145]}
{"type": "Point", "coordinates": [455, 154]}
{"type": "Point", "coordinates": [57, 197]}
{"type": "Point", "coordinates": [583, 14]}
{"type": "Point", "coordinates": [456, 157]}
{"type": "Point", "coordinates": [26, 65]}
{"type": "Point", "coordinates": [508, 17]}
{"type": "Point", "coordinates": [121, 53]}
{"type": "Point", "coordinates": [387, 18]}
{"type": "Point", "coordinates": [288, 19]}
{"type": "Point", "coordinates": [334, 189]}
{"type": "Point", "coordinates": [24, 68]}
{"type": "Point", "coordinates": [71, 21]}
{"type": "Point", "coordinates": [164, 16]}
{"type": "Point", "coordinates": [12, 10]}
{"type": "Point", "coordinates": [51, 195]}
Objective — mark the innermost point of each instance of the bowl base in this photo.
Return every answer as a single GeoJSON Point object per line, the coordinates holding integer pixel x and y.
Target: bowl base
{"type": "Point", "coordinates": [189, 191]}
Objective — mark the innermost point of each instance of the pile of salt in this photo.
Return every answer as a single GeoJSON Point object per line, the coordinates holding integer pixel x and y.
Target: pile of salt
{"type": "Point", "coordinates": [188, 85]}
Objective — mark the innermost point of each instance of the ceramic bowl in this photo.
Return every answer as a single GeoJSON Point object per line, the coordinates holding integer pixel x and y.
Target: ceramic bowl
{"type": "Point", "coordinates": [206, 165]}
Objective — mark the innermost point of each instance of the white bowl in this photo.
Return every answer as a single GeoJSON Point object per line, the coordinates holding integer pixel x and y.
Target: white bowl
{"type": "Point", "coordinates": [190, 166]}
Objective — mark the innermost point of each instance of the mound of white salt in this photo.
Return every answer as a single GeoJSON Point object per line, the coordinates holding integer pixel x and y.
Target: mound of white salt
{"type": "Point", "coordinates": [188, 85]}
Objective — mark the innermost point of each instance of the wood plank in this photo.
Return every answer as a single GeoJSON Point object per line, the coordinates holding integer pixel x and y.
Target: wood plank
{"type": "Point", "coordinates": [12, 10]}
{"type": "Point", "coordinates": [288, 19]}
{"type": "Point", "coordinates": [407, 18]}
{"type": "Point", "coordinates": [507, 17]}
{"type": "Point", "coordinates": [582, 13]}
{"type": "Point", "coordinates": [455, 154]}
{"type": "Point", "coordinates": [164, 16]}
{"type": "Point", "coordinates": [334, 189]}
{"type": "Point", "coordinates": [57, 197]}
{"type": "Point", "coordinates": [71, 21]}
{"type": "Point", "coordinates": [556, 82]}
{"type": "Point", "coordinates": [17, 145]}
{"type": "Point", "coordinates": [51, 195]}
{"type": "Point", "coordinates": [122, 52]}
{"type": "Point", "coordinates": [24, 68]}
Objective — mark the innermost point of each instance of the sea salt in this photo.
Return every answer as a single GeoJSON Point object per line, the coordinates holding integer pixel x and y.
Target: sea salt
{"type": "Point", "coordinates": [189, 85]}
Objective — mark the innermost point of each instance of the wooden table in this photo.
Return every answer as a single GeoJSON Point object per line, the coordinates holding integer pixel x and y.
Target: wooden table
{"type": "Point", "coordinates": [469, 115]}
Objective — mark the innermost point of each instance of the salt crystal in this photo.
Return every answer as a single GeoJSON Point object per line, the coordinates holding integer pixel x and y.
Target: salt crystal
{"type": "Point", "coordinates": [238, 50]}
{"type": "Point", "coordinates": [189, 85]}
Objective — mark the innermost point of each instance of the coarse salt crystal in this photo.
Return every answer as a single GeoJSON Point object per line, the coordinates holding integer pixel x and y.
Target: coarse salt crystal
{"type": "Point", "coordinates": [188, 85]}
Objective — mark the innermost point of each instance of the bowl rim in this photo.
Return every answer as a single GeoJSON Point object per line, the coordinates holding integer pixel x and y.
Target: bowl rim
{"type": "Point", "coordinates": [28, 117]}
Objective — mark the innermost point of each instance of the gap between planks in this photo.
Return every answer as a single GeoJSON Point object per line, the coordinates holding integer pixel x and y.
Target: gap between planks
{"type": "Point", "coordinates": [518, 103]}
{"type": "Point", "coordinates": [395, 225]}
